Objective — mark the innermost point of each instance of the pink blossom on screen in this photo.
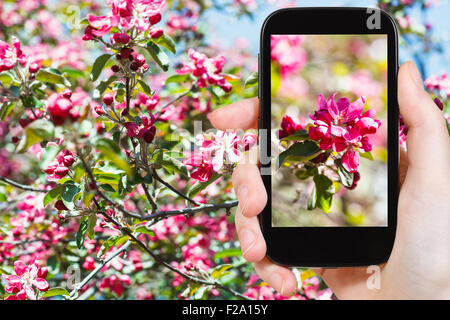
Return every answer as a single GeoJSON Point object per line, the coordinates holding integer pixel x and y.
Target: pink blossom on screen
{"type": "Point", "coordinates": [286, 50]}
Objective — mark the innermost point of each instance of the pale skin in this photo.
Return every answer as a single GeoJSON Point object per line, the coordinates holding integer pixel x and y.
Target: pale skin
{"type": "Point", "coordinates": [419, 266]}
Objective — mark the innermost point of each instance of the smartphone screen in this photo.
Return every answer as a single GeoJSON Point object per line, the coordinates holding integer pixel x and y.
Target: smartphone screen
{"type": "Point", "coordinates": [329, 130]}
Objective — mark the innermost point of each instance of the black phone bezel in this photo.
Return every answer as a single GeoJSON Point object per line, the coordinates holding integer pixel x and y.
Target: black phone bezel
{"type": "Point", "coordinates": [329, 246]}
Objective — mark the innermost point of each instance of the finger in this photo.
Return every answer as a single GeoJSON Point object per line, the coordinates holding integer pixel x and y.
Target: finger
{"type": "Point", "coordinates": [253, 245]}
{"type": "Point", "coordinates": [427, 134]}
{"type": "Point", "coordinates": [249, 186]}
{"type": "Point", "coordinates": [347, 283]}
{"type": "Point", "coordinates": [239, 115]}
{"type": "Point", "coordinates": [280, 278]}
{"type": "Point", "coordinates": [402, 167]}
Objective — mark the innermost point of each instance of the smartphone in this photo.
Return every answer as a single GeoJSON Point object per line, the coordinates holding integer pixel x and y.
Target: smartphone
{"type": "Point", "coordinates": [328, 133]}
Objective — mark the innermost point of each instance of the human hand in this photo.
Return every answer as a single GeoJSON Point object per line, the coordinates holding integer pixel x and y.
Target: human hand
{"type": "Point", "coordinates": [419, 265]}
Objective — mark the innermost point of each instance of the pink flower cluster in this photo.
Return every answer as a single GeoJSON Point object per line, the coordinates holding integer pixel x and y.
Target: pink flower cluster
{"type": "Point", "coordinates": [439, 83]}
{"type": "Point", "coordinates": [286, 50]}
{"type": "Point", "coordinates": [9, 55]}
{"type": "Point", "coordinates": [59, 168]}
{"type": "Point", "coordinates": [218, 150]}
{"type": "Point", "coordinates": [207, 71]}
{"type": "Point", "coordinates": [343, 127]}
{"type": "Point", "coordinates": [140, 14]}
{"type": "Point", "coordinates": [145, 130]}
{"type": "Point", "coordinates": [115, 284]}
{"type": "Point", "coordinates": [22, 285]}
{"type": "Point", "coordinates": [61, 107]}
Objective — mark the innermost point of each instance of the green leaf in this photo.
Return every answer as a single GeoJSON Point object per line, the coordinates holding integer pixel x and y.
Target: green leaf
{"type": "Point", "coordinates": [299, 152]}
{"type": "Point", "coordinates": [3, 197]}
{"type": "Point", "coordinates": [145, 87]}
{"type": "Point", "coordinates": [227, 253]}
{"type": "Point", "coordinates": [82, 231]}
{"type": "Point", "coordinates": [346, 177]}
{"type": "Point", "coordinates": [34, 133]}
{"type": "Point", "coordinates": [51, 195]}
{"type": "Point", "coordinates": [72, 72]}
{"type": "Point", "coordinates": [312, 199]}
{"type": "Point", "coordinates": [113, 153]}
{"type": "Point", "coordinates": [143, 229]}
{"type": "Point", "coordinates": [177, 78]}
{"type": "Point", "coordinates": [108, 244]}
{"type": "Point", "coordinates": [306, 172]}
{"type": "Point", "coordinates": [92, 221]}
{"type": "Point", "coordinates": [55, 292]}
{"type": "Point", "coordinates": [324, 192]}
{"type": "Point", "coordinates": [6, 79]}
{"type": "Point", "coordinates": [68, 191]}
{"type": "Point", "coordinates": [172, 165]}
{"type": "Point", "coordinates": [199, 186]}
{"type": "Point", "coordinates": [103, 85]}
{"type": "Point", "coordinates": [252, 80]}
{"type": "Point", "coordinates": [167, 42]}
{"type": "Point", "coordinates": [5, 110]}
{"type": "Point", "coordinates": [220, 271]}
{"type": "Point", "coordinates": [50, 77]}
{"type": "Point", "coordinates": [297, 136]}
{"type": "Point", "coordinates": [158, 55]}
{"type": "Point", "coordinates": [367, 155]}
{"type": "Point", "coordinates": [98, 66]}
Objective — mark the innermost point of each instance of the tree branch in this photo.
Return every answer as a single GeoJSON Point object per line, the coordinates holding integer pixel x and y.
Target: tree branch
{"type": "Point", "coordinates": [207, 206]}
{"type": "Point", "coordinates": [74, 293]}
{"type": "Point", "coordinates": [21, 186]}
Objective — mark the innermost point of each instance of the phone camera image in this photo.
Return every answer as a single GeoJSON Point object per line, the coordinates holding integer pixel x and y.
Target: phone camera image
{"type": "Point", "coordinates": [329, 141]}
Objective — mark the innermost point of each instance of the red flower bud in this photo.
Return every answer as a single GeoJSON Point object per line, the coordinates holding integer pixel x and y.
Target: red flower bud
{"type": "Point", "coordinates": [156, 33]}
{"type": "Point", "coordinates": [34, 67]}
{"type": "Point", "coordinates": [139, 59]}
{"type": "Point", "coordinates": [42, 272]}
{"type": "Point", "coordinates": [155, 18]}
{"type": "Point", "coordinates": [15, 139]}
{"type": "Point", "coordinates": [134, 66]}
{"type": "Point", "coordinates": [108, 99]}
{"type": "Point", "coordinates": [122, 38]}
{"type": "Point", "coordinates": [67, 93]}
{"type": "Point", "coordinates": [60, 172]}
{"type": "Point", "coordinates": [125, 52]}
{"type": "Point", "coordinates": [68, 160]}
{"type": "Point", "coordinates": [51, 169]}
{"type": "Point", "coordinates": [115, 68]}
{"type": "Point", "coordinates": [439, 103]}
{"type": "Point", "coordinates": [145, 67]}
{"type": "Point", "coordinates": [59, 205]}
{"type": "Point", "coordinates": [149, 135]}
{"type": "Point", "coordinates": [99, 110]}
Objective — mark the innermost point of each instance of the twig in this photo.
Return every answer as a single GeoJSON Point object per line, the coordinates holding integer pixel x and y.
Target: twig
{"type": "Point", "coordinates": [21, 186]}
{"type": "Point", "coordinates": [156, 176]}
{"type": "Point", "coordinates": [207, 206]}
{"type": "Point", "coordinates": [158, 114]}
{"type": "Point", "coordinates": [97, 269]}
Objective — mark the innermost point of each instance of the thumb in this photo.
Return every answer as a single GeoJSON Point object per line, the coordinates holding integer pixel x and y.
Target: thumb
{"type": "Point", "coordinates": [428, 140]}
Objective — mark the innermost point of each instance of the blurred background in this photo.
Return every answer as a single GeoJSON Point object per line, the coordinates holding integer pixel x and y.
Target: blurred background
{"type": "Point", "coordinates": [304, 66]}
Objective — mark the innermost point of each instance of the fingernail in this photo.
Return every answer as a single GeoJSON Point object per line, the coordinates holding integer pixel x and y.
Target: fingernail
{"type": "Point", "coordinates": [242, 193]}
{"type": "Point", "coordinates": [415, 75]}
{"type": "Point", "coordinates": [276, 281]}
{"type": "Point", "coordinates": [247, 239]}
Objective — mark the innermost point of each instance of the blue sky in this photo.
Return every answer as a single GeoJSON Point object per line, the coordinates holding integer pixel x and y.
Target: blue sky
{"type": "Point", "coordinates": [227, 28]}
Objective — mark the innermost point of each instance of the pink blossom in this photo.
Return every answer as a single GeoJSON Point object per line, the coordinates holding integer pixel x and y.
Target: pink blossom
{"type": "Point", "coordinates": [311, 289]}
{"type": "Point", "coordinates": [207, 71]}
{"type": "Point", "coordinates": [343, 126]}
{"type": "Point", "coordinates": [22, 285]}
{"type": "Point", "coordinates": [286, 50]}
{"type": "Point", "coordinates": [145, 130]}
